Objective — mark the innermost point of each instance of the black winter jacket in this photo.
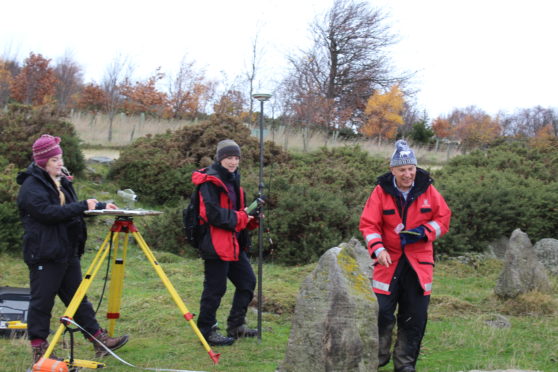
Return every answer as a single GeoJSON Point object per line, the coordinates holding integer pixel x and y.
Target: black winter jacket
{"type": "Point", "coordinates": [52, 232]}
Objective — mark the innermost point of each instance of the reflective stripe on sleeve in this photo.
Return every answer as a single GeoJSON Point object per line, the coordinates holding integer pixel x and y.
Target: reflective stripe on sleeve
{"type": "Point", "coordinates": [436, 227]}
{"type": "Point", "coordinates": [370, 237]}
{"type": "Point", "coordinates": [380, 285]}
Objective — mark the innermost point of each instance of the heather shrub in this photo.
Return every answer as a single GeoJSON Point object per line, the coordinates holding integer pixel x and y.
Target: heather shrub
{"type": "Point", "coordinates": [21, 125]}
{"type": "Point", "coordinates": [164, 232]}
{"type": "Point", "coordinates": [316, 201]}
{"type": "Point", "coordinates": [11, 231]}
{"type": "Point", "coordinates": [493, 192]}
{"type": "Point", "coordinates": [158, 168]}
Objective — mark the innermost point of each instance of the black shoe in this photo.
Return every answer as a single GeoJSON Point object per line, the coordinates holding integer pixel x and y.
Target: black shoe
{"type": "Point", "coordinates": [242, 331]}
{"type": "Point", "coordinates": [216, 339]}
{"type": "Point", "coordinates": [383, 362]}
{"type": "Point", "coordinates": [406, 369]}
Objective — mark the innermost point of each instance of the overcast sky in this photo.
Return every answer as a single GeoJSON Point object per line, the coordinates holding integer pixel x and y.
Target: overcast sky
{"type": "Point", "coordinates": [494, 54]}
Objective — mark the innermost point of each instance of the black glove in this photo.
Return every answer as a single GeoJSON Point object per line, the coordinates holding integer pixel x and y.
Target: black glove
{"type": "Point", "coordinates": [100, 205]}
{"type": "Point", "coordinates": [256, 213]}
{"type": "Point", "coordinates": [412, 236]}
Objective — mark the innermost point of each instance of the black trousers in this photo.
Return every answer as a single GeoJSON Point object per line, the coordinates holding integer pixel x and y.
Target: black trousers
{"type": "Point", "coordinates": [51, 279]}
{"type": "Point", "coordinates": [412, 313]}
{"type": "Point", "coordinates": [216, 272]}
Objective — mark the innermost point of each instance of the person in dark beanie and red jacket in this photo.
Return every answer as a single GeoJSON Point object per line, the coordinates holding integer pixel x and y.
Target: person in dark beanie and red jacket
{"type": "Point", "coordinates": [403, 216]}
{"type": "Point", "coordinates": [224, 245]}
{"type": "Point", "coordinates": [53, 242]}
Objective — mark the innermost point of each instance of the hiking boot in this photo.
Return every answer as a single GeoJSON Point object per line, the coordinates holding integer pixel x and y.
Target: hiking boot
{"type": "Point", "coordinates": [242, 331]}
{"type": "Point", "coordinates": [39, 351]}
{"type": "Point", "coordinates": [214, 338]}
{"type": "Point", "coordinates": [383, 360]}
{"type": "Point", "coordinates": [113, 343]}
{"type": "Point", "coordinates": [406, 369]}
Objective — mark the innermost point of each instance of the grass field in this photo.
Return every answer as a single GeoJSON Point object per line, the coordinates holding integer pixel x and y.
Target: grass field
{"type": "Point", "coordinates": [457, 338]}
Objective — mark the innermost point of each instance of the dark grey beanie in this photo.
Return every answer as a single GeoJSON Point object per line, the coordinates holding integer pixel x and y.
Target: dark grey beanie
{"type": "Point", "coordinates": [402, 155]}
{"type": "Point", "coordinates": [227, 148]}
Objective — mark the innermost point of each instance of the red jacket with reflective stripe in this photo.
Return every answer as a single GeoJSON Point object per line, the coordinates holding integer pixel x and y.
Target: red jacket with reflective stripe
{"type": "Point", "coordinates": [386, 209]}
{"type": "Point", "coordinates": [226, 234]}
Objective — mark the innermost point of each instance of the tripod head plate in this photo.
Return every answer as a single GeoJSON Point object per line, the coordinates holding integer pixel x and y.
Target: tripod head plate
{"type": "Point", "coordinates": [122, 212]}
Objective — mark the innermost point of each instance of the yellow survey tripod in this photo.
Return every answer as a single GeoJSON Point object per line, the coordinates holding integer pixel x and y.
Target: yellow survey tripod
{"type": "Point", "coordinates": [123, 224]}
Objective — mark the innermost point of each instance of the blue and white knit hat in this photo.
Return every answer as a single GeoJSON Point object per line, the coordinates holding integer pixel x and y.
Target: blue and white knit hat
{"type": "Point", "coordinates": [402, 155]}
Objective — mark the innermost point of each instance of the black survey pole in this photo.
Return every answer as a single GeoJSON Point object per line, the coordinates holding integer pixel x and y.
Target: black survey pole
{"type": "Point", "coordinates": [262, 97]}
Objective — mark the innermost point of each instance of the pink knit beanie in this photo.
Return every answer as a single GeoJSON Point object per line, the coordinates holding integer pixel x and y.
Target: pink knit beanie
{"type": "Point", "coordinates": [45, 148]}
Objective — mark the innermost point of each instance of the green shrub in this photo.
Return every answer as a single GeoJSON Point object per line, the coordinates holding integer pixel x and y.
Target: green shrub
{"type": "Point", "coordinates": [492, 193]}
{"type": "Point", "coordinates": [154, 172]}
{"type": "Point", "coordinates": [307, 221]}
{"type": "Point", "coordinates": [523, 160]}
{"type": "Point", "coordinates": [21, 125]}
{"type": "Point", "coordinates": [159, 168]}
{"type": "Point", "coordinates": [421, 133]}
{"type": "Point", "coordinates": [11, 231]}
{"type": "Point", "coordinates": [165, 233]}
{"type": "Point", "coordinates": [316, 201]}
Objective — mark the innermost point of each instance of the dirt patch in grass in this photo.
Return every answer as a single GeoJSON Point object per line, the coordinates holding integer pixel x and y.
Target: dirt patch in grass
{"type": "Point", "coordinates": [109, 153]}
{"type": "Point", "coordinates": [443, 306]}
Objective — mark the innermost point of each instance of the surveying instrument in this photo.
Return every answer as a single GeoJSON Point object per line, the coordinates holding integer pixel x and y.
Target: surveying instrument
{"type": "Point", "coordinates": [123, 224]}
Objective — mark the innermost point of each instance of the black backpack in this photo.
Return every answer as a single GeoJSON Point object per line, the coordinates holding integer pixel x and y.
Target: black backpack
{"type": "Point", "coordinates": [193, 229]}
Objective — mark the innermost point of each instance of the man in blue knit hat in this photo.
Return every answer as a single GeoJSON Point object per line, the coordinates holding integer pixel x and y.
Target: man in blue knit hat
{"type": "Point", "coordinates": [402, 217]}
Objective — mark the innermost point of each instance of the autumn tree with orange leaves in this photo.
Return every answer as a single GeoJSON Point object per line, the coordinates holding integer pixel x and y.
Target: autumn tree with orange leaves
{"type": "Point", "coordinates": [472, 126]}
{"type": "Point", "coordinates": [143, 96]}
{"type": "Point", "coordinates": [442, 128]}
{"type": "Point", "coordinates": [92, 98]}
{"type": "Point", "coordinates": [384, 114]}
{"type": "Point", "coordinates": [36, 83]}
{"type": "Point", "coordinates": [231, 103]}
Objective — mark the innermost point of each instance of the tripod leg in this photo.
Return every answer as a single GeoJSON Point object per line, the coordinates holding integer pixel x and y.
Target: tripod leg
{"type": "Point", "coordinates": [116, 285]}
{"type": "Point", "coordinates": [82, 290]}
{"type": "Point", "coordinates": [185, 312]}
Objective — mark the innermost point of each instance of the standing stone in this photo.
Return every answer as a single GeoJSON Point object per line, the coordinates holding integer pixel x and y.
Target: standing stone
{"type": "Point", "coordinates": [335, 325]}
{"type": "Point", "coordinates": [547, 253]}
{"type": "Point", "coordinates": [499, 247]}
{"type": "Point", "coordinates": [522, 271]}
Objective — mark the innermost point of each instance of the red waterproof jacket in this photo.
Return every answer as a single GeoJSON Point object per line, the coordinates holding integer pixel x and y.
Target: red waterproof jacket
{"type": "Point", "coordinates": [386, 209]}
{"type": "Point", "coordinates": [228, 226]}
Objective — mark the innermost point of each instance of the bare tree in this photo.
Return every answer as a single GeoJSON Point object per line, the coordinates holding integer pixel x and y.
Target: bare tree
{"type": "Point", "coordinates": [189, 92]}
{"type": "Point", "coordinates": [111, 84]}
{"type": "Point", "coordinates": [411, 116]}
{"type": "Point", "coordinates": [251, 76]}
{"type": "Point", "coordinates": [69, 76]}
{"type": "Point", "coordinates": [347, 62]}
{"type": "Point", "coordinates": [307, 108]}
{"type": "Point", "coordinates": [527, 122]}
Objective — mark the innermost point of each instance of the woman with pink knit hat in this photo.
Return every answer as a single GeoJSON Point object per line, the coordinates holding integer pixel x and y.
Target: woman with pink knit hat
{"type": "Point", "coordinates": [53, 243]}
